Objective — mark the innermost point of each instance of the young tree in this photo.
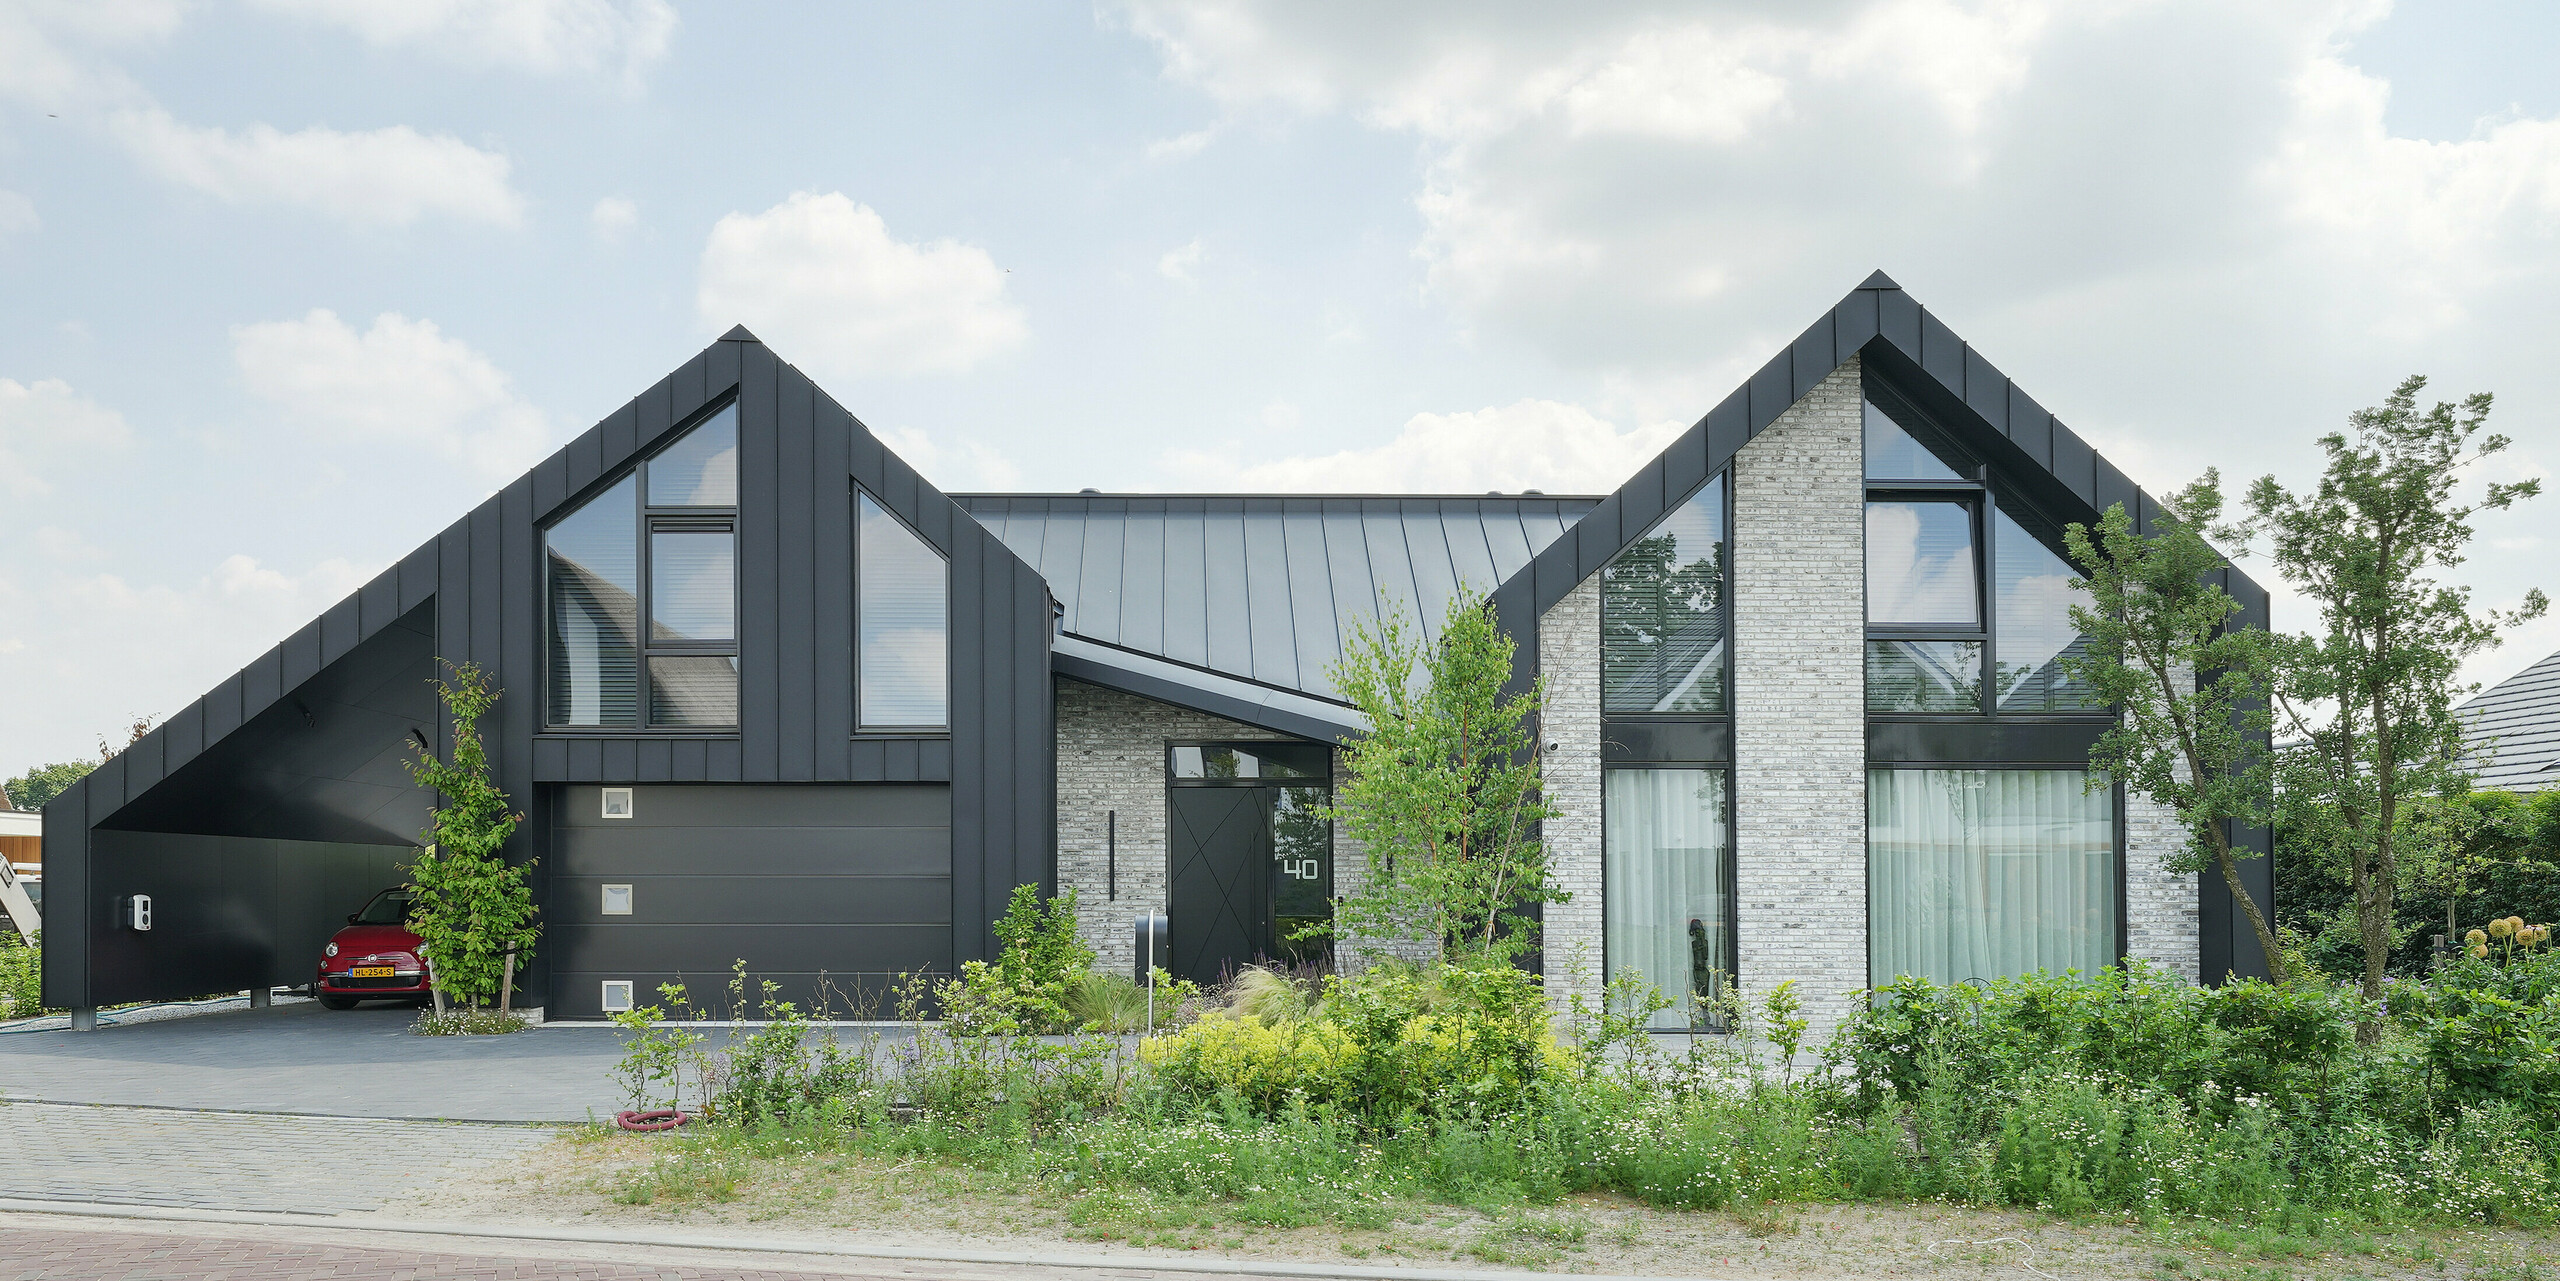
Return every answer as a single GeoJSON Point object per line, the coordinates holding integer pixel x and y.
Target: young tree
{"type": "Point", "coordinates": [2367, 701]}
{"type": "Point", "coordinates": [1444, 790]}
{"type": "Point", "coordinates": [2191, 692]}
{"type": "Point", "coordinates": [473, 910]}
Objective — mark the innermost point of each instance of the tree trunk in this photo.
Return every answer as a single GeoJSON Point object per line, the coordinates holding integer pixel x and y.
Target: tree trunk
{"type": "Point", "coordinates": [2249, 908]}
{"type": "Point", "coordinates": [507, 989]}
{"type": "Point", "coordinates": [2373, 927]}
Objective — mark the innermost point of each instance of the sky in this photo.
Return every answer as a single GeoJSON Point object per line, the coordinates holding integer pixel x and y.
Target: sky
{"type": "Point", "coordinates": [292, 284]}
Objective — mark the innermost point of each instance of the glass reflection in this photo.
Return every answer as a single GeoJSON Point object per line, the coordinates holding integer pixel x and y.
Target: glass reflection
{"type": "Point", "coordinates": [692, 585]}
{"type": "Point", "coordinates": [691, 691]}
{"type": "Point", "coordinates": [902, 592]}
{"type": "Point", "coordinates": [701, 468]}
{"type": "Point", "coordinates": [1894, 454]}
{"type": "Point", "coordinates": [2033, 606]}
{"type": "Point", "coordinates": [1667, 858]}
{"type": "Point", "coordinates": [1662, 642]}
{"type": "Point", "coordinates": [1924, 676]}
{"type": "Point", "coordinates": [1301, 871]}
{"type": "Point", "coordinates": [1921, 569]}
{"type": "Point", "coordinates": [593, 562]}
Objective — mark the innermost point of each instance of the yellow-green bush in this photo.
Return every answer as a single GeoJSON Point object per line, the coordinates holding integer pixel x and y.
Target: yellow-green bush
{"type": "Point", "coordinates": [1384, 1044]}
{"type": "Point", "coordinates": [1264, 1064]}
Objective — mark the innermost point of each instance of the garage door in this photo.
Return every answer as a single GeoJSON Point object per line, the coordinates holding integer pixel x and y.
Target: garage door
{"type": "Point", "coordinates": [830, 891]}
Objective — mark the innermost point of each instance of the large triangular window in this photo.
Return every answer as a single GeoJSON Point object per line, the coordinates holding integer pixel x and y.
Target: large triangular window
{"type": "Point", "coordinates": [1662, 614]}
{"type": "Point", "coordinates": [659, 545]}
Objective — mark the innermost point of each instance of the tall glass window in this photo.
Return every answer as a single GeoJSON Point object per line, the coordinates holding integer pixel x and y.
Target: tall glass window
{"type": "Point", "coordinates": [643, 584]}
{"type": "Point", "coordinates": [1662, 617]}
{"type": "Point", "coordinates": [2035, 597]}
{"type": "Point", "coordinates": [592, 557]}
{"type": "Point", "coordinates": [1667, 856]}
{"type": "Point", "coordinates": [1986, 873]}
{"type": "Point", "coordinates": [901, 604]}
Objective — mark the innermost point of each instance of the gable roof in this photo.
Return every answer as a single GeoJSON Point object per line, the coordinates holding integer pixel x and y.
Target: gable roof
{"type": "Point", "coordinates": [2513, 729]}
{"type": "Point", "coordinates": [1955, 385]}
{"type": "Point", "coordinates": [1263, 590]}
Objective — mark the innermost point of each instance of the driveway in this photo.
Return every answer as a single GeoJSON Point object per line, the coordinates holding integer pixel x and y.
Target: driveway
{"type": "Point", "coordinates": [301, 1058]}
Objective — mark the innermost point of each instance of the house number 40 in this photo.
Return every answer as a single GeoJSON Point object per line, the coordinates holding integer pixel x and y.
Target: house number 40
{"type": "Point", "coordinates": [1301, 869]}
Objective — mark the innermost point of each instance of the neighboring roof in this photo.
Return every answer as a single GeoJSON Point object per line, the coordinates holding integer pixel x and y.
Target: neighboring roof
{"type": "Point", "coordinates": [2514, 729]}
{"type": "Point", "coordinates": [1262, 589]}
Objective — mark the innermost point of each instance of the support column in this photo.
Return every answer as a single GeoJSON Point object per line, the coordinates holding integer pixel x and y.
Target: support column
{"type": "Point", "coordinates": [85, 1019]}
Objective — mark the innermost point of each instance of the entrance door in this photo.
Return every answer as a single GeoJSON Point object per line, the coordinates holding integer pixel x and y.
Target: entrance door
{"type": "Point", "coordinates": [1251, 862]}
{"type": "Point", "coordinates": [1214, 906]}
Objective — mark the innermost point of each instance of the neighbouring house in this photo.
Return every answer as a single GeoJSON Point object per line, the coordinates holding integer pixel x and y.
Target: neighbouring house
{"type": "Point", "coordinates": [21, 835]}
{"type": "Point", "coordinates": [2512, 730]}
{"type": "Point", "coordinates": [772, 696]}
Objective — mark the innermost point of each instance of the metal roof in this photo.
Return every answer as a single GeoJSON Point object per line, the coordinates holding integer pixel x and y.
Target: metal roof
{"type": "Point", "coordinates": [2513, 728]}
{"type": "Point", "coordinates": [1264, 588]}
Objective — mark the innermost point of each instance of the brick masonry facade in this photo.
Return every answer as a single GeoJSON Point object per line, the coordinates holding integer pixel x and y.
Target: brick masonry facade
{"type": "Point", "coordinates": [1799, 690]}
{"type": "Point", "coordinates": [1569, 729]}
{"type": "Point", "coordinates": [1111, 758]}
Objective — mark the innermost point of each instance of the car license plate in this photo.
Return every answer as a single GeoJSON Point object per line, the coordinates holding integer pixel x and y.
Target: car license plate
{"type": "Point", "coordinates": [370, 972]}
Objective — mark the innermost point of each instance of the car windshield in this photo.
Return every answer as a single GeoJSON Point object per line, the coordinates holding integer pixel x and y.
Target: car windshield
{"type": "Point", "coordinates": [390, 907]}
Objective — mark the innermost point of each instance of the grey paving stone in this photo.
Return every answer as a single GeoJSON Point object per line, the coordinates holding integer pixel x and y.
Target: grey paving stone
{"type": "Point", "coordinates": [302, 1058]}
{"type": "Point", "coordinates": [237, 1161]}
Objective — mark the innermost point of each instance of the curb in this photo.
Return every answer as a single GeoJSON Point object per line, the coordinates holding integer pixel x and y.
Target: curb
{"type": "Point", "coordinates": [8, 1099]}
{"type": "Point", "coordinates": [784, 1245]}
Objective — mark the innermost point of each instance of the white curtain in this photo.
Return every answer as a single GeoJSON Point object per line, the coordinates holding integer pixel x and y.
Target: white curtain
{"type": "Point", "coordinates": [1666, 858]}
{"type": "Point", "coordinates": [1979, 874]}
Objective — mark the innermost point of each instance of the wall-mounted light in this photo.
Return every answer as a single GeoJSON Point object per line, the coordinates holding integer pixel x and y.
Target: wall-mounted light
{"type": "Point", "coordinates": [419, 739]}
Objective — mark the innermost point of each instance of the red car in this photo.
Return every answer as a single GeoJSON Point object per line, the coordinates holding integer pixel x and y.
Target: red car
{"type": "Point", "coordinates": [374, 958]}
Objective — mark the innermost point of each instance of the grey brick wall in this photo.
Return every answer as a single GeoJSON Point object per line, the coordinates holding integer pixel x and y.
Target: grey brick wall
{"type": "Point", "coordinates": [1569, 724]}
{"type": "Point", "coordinates": [2163, 923]}
{"type": "Point", "coordinates": [1111, 749]}
{"type": "Point", "coordinates": [1800, 744]}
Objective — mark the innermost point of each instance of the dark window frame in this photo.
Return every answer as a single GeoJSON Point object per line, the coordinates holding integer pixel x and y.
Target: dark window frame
{"type": "Point", "coordinates": [1983, 490]}
{"type": "Point", "coordinates": [646, 521]}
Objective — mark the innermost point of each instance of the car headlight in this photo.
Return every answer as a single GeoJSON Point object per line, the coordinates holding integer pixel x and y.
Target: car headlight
{"type": "Point", "coordinates": [331, 950]}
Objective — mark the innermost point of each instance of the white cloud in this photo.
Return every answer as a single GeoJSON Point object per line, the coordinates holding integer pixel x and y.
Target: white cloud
{"type": "Point", "coordinates": [953, 465]}
{"type": "Point", "coordinates": [1181, 265]}
{"type": "Point", "coordinates": [613, 218]}
{"type": "Point", "coordinates": [1181, 146]}
{"type": "Point", "coordinates": [44, 424]}
{"type": "Point", "coordinates": [400, 381]}
{"type": "Point", "coordinates": [388, 177]}
{"type": "Point", "coordinates": [1534, 444]}
{"type": "Point", "coordinates": [82, 651]}
{"type": "Point", "coordinates": [17, 214]}
{"type": "Point", "coordinates": [542, 36]}
{"type": "Point", "coordinates": [821, 278]}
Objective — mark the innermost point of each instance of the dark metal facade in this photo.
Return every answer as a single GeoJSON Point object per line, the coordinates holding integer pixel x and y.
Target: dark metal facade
{"type": "Point", "coordinates": [479, 584]}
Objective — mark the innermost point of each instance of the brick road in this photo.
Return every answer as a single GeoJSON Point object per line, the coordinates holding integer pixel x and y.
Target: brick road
{"type": "Point", "coordinates": [235, 1161]}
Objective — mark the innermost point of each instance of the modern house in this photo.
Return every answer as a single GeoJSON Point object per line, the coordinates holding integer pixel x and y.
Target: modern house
{"type": "Point", "coordinates": [770, 695]}
{"type": "Point", "coordinates": [2512, 730]}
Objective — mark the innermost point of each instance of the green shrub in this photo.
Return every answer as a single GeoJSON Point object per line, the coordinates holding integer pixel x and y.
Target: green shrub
{"type": "Point", "coordinates": [1439, 1040]}
{"type": "Point", "coordinates": [1025, 989]}
{"type": "Point", "coordinates": [21, 976]}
